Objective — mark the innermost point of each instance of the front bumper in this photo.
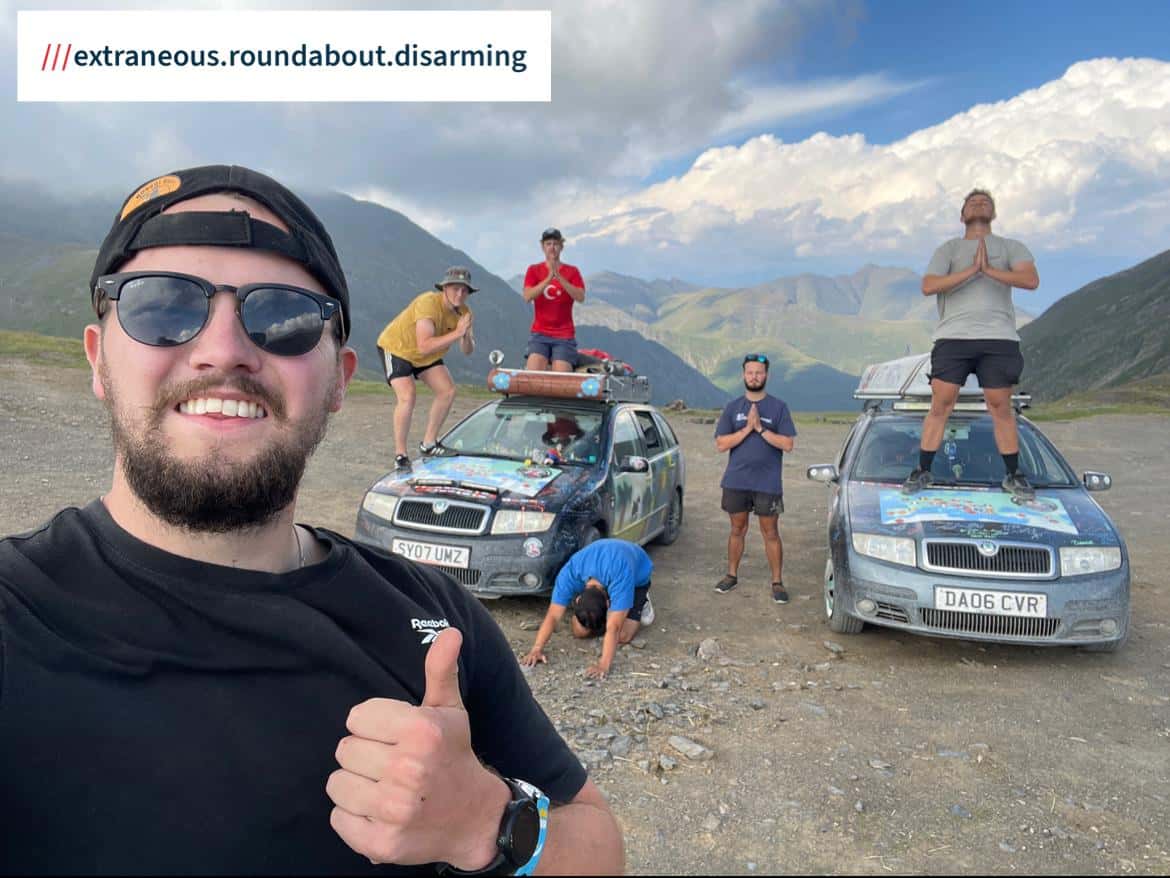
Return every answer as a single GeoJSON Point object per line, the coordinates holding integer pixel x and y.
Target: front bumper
{"type": "Point", "coordinates": [905, 598]}
{"type": "Point", "coordinates": [497, 564]}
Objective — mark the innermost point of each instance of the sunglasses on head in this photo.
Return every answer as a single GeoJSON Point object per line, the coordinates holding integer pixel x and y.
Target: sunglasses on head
{"type": "Point", "coordinates": [165, 309]}
{"type": "Point", "coordinates": [755, 358]}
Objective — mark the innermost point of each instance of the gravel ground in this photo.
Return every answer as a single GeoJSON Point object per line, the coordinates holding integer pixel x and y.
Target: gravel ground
{"type": "Point", "coordinates": [736, 736]}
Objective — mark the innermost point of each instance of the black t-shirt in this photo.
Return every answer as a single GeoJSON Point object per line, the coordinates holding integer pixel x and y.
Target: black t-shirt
{"type": "Point", "coordinates": [162, 715]}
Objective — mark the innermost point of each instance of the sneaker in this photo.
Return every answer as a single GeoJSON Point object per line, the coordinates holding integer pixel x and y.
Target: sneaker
{"type": "Point", "coordinates": [1018, 485]}
{"type": "Point", "coordinates": [427, 450]}
{"type": "Point", "coordinates": [726, 584]}
{"type": "Point", "coordinates": [647, 612]}
{"type": "Point", "coordinates": [401, 461]}
{"type": "Point", "coordinates": [779, 595]}
{"type": "Point", "coordinates": [916, 481]}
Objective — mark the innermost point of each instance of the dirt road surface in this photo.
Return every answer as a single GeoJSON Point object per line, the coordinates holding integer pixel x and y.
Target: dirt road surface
{"type": "Point", "coordinates": [820, 753]}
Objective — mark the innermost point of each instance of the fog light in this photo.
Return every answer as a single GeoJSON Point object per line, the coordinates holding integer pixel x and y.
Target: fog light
{"type": "Point", "coordinates": [866, 607]}
{"type": "Point", "coordinates": [530, 580]}
{"type": "Point", "coordinates": [1108, 627]}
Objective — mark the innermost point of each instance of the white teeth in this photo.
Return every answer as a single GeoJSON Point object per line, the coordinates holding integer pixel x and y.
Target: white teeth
{"type": "Point", "coordinates": [231, 408]}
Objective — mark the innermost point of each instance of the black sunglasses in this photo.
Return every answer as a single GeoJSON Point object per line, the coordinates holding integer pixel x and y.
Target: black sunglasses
{"type": "Point", "coordinates": [164, 309]}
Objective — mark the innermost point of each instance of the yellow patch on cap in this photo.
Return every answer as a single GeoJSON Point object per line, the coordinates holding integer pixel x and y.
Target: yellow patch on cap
{"type": "Point", "coordinates": [149, 191]}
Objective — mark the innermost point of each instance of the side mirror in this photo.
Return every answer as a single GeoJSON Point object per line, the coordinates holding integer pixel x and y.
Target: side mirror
{"type": "Point", "coordinates": [1097, 481]}
{"type": "Point", "coordinates": [823, 472]}
{"type": "Point", "coordinates": [633, 464]}
{"type": "Point", "coordinates": [496, 357]}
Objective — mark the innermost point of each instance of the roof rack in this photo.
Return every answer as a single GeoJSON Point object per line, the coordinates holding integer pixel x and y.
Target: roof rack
{"type": "Point", "coordinates": [906, 383]}
{"type": "Point", "coordinates": [570, 385]}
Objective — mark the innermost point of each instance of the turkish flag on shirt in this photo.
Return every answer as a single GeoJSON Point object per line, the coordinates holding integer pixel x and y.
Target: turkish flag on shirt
{"type": "Point", "coordinates": [554, 307]}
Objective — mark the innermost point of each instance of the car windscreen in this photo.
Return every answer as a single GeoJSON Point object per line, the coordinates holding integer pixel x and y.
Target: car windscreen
{"type": "Point", "coordinates": [967, 455]}
{"type": "Point", "coordinates": [529, 430]}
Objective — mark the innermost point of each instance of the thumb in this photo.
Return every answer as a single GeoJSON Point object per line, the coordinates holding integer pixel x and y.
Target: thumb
{"type": "Point", "coordinates": [442, 671]}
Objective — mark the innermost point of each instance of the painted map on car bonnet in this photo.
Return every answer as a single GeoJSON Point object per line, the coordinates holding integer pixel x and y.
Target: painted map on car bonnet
{"type": "Point", "coordinates": [976, 506]}
{"type": "Point", "coordinates": [515, 476]}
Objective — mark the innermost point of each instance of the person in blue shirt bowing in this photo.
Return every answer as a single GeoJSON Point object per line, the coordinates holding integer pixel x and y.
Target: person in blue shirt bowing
{"type": "Point", "coordinates": [607, 583]}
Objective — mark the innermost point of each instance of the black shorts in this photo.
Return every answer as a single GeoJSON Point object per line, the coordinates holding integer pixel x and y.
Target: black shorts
{"type": "Point", "coordinates": [640, 594]}
{"type": "Point", "coordinates": [759, 502]}
{"type": "Point", "coordinates": [996, 362]}
{"type": "Point", "coordinates": [396, 367]}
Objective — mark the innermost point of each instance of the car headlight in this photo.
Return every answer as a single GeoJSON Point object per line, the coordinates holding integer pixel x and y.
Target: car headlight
{"type": "Point", "coordinates": [1079, 560]}
{"type": "Point", "coordinates": [381, 505]}
{"type": "Point", "coordinates": [522, 521]}
{"type": "Point", "coordinates": [896, 550]}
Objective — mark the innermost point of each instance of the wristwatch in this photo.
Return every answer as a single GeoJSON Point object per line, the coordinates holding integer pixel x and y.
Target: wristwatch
{"type": "Point", "coordinates": [521, 837]}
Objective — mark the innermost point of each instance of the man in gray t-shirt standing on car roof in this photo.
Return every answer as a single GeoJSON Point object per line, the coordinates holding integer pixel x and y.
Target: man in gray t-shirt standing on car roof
{"type": "Point", "coordinates": [973, 278]}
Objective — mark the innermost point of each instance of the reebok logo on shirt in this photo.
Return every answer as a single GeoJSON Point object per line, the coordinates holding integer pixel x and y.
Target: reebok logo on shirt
{"type": "Point", "coordinates": [428, 629]}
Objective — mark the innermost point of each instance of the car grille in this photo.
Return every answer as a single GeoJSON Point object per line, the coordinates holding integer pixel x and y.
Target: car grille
{"type": "Point", "coordinates": [963, 556]}
{"type": "Point", "coordinates": [986, 623]}
{"type": "Point", "coordinates": [455, 517]}
{"type": "Point", "coordinates": [468, 577]}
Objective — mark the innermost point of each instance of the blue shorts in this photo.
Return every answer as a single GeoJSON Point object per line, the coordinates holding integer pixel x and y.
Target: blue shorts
{"type": "Point", "coordinates": [550, 348]}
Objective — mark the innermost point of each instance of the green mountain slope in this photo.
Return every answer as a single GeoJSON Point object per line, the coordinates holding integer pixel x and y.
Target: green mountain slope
{"type": "Point", "coordinates": [1107, 334]}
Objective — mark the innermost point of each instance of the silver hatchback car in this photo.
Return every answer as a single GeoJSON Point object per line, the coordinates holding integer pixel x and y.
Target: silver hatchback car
{"type": "Point", "coordinates": [964, 558]}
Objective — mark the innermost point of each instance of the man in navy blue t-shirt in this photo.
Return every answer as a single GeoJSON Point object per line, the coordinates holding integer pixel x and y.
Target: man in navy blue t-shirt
{"type": "Point", "coordinates": [757, 429]}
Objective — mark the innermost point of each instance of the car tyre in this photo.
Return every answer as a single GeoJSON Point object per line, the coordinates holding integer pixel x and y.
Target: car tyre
{"type": "Point", "coordinates": [674, 520]}
{"type": "Point", "coordinates": [839, 621]}
{"type": "Point", "coordinates": [591, 535]}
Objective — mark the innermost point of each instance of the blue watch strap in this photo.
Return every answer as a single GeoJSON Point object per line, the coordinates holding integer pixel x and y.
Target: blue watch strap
{"type": "Point", "coordinates": [542, 807]}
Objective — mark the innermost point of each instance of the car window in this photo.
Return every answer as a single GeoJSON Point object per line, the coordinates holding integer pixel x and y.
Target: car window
{"type": "Point", "coordinates": [668, 437]}
{"type": "Point", "coordinates": [968, 455]}
{"type": "Point", "coordinates": [626, 442]}
{"type": "Point", "coordinates": [650, 434]}
{"type": "Point", "coordinates": [528, 430]}
{"type": "Point", "coordinates": [845, 447]}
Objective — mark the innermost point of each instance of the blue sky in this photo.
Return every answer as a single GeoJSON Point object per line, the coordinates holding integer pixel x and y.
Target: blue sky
{"type": "Point", "coordinates": [724, 143]}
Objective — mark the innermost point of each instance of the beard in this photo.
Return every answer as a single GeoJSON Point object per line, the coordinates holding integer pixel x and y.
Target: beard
{"type": "Point", "coordinates": [755, 386]}
{"type": "Point", "coordinates": [210, 494]}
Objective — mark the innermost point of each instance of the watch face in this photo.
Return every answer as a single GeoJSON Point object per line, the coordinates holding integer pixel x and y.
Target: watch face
{"type": "Point", "coordinates": [525, 832]}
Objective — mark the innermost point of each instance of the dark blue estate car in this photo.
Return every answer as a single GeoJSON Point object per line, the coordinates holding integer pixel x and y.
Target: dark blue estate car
{"type": "Point", "coordinates": [964, 558]}
{"type": "Point", "coordinates": [523, 482]}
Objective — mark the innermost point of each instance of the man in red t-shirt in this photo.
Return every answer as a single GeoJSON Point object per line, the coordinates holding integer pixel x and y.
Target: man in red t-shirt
{"type": "Point", "coordinates": [553, 286]}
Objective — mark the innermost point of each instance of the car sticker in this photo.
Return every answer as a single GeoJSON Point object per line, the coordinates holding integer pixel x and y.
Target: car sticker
{"type": "Point", "coordinates": [504, 475]}
{"type": "Point", "coordinates": [982, 507]}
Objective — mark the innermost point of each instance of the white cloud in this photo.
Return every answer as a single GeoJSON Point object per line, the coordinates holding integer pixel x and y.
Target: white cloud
{"type": "Point", "coordinates": [1081, 161]}
{"type": "Point", "coordinates": [434, 221]}
{"type": "Point", "coordinates": [766, 106]}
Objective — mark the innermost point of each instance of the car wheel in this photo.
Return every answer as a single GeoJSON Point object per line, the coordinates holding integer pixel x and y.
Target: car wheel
{"type": "Point", "coordinates": [591, 535]}
{"type": "Point", "coordinates": [838, 620]}
{"type": "Point", "coordinates": [674, 520]}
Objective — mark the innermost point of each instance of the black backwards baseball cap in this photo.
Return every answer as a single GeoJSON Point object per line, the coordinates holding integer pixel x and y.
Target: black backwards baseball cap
{"type": "Point", "coordinates": [141, 224]}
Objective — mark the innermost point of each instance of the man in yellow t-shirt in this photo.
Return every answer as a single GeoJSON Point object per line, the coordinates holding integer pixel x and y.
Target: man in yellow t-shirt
{"type": "Point", "coordinates": [412, 346]}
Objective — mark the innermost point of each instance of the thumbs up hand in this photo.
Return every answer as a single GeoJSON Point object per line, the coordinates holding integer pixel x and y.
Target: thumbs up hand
{"type": "Point", "coordinates": [410, 789]}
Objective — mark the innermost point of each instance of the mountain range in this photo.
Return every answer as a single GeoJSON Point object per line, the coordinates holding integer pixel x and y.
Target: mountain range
{"type": "Point", "coordinates": [47, 248]}
{"type": "Point", "coordinates": [818, 331]}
